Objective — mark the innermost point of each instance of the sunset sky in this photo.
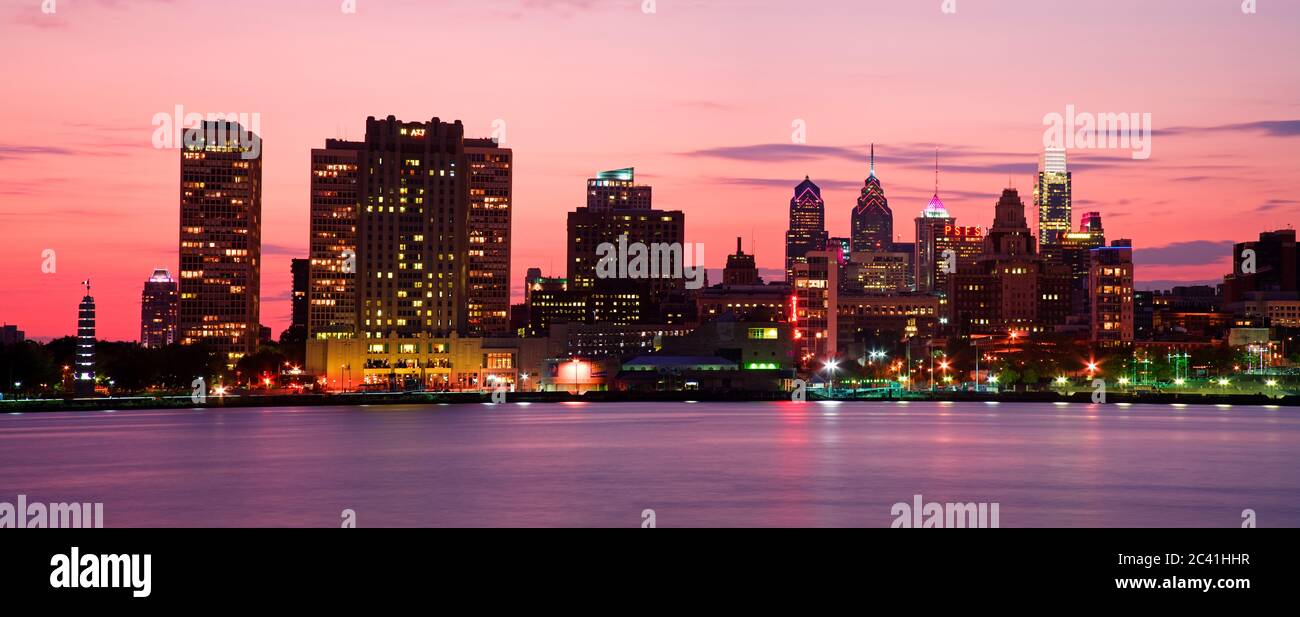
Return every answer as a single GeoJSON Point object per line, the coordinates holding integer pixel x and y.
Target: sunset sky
{"type": "Point", "coordinates": [700, 96]}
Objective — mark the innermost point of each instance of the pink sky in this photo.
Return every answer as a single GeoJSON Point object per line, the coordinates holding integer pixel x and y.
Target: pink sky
{"type": "Point", "coordinates": [698, 96]}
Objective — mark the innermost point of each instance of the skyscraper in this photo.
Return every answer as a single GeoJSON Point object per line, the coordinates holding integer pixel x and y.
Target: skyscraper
{"type": "Point", "coordinates": [588, 227]}
{"type": "Point", "coordinates": [807, 230]}
{"type": "Point", "coordinates": [490, 186]}
{"type": "Point", "coordinates": [1110, 293]}
{"type": "Point", "coordinates": [221, 239]}
{"type": "Point", "coordinates": [298, 270]}
{"type": "Point", "coordinates": [1052, 195]}
{"type": "Point", "coordinates": [872, 220]}
{"type": "Point", "coordinates": [1009, 287]}
{"type": "Point", "coordinates": [331, 285]}
{"type": "Point", "coordinates": [158, 310]}
{"type": "Point", "coordinates": [814, 310]}
{"type": "Point", "coordinates": [411, 229]}
{"type": "Point", "coordinates": [84, 383]}
{"type": "Point", "coordinates": [741, 269]}
{"type": "Point", "coordinates": [617, 189]}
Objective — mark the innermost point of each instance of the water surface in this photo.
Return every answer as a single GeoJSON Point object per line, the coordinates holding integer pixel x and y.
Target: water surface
{"type": "Point", "coordinates": [710, 464]}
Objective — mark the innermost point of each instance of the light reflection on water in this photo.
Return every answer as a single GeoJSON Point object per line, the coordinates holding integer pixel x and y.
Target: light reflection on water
{"type": "Point", "coordinates": [712, 464]}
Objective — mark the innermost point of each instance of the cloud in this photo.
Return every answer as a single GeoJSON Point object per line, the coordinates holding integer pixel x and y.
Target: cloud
{"type": "Point", "coordinates": [787, 183]}
{"type": "Point", "coordinates": [778, 153]}
{"type": "Point", "coordinates": [1270, 128]}
{"type": "Point", "coordinates": [281, 250]}
{"type": "Point", "coordinates": [1277, 204]}
{"type": "Point", "coordinates": [1192, 253]}
{"type": "Point", "coordinates": [1164, 285]}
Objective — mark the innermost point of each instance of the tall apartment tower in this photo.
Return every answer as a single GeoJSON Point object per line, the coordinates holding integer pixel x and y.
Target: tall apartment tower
{"type": "Point", "coordinates": [1052, 196]}
{"type": "Point", "coordinates": [815, 307]}
{"type": "Point", "coordinates": [158, 310]}
{"type": "Point", "coordinates": [84, 382]}
{"type": "Point", "coordinates": [411, 229]}
{"type": "Point", "coordinates": [1110, 293]}
{"type": "Point", "coordinates": [221, 239]}
{"type": "Point", "coordinates": [617, 189]}
{"type": "Point", "coordinates": [872, 220]}
{"type": "Point", "coordinates": [332, 245]}
{"type": "Point", "coordinates": [491, 169]}
{"type": "Point", "coordinates": [807, 230]}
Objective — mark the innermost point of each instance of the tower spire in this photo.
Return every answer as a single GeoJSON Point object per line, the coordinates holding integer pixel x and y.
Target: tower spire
{"type": "Point", "coordinates": [873, 158]}
{"type": "Point", "coordinates": [936, 172]}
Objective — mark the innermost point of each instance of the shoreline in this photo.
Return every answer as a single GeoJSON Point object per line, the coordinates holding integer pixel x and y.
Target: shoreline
{"type": "Point", "coordinates": [476, 398]}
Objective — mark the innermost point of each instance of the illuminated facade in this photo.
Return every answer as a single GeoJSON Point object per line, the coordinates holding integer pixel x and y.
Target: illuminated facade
{"type": "Point", "coordinates": [490, 186]}
{"type": "Point", "coordinates": [1009, 287]}
{"type": "Point", "coordinates": [807, 230]}
{"type": "Point", "coordinates": [878, 272]}
{"type": "Point", "coordinates": [331, 273]}
{"type": "Point", "coordinates": [221, 239]}
{"type": "Point", "coordinates": [158, 310]}
{"type": "Point", "coordinates": [814, 307]}
{"type": "Point", "coordinates": [872, 220]}
{"type": "Point", "coordinates": [589, 227]}
{"type": "Point", "coordinates": [617, 190]}
{"type": "Point", "coordinates": [411, 230]}
{"type": "Point", "coordinates": [1052, 196]}
{"type": "Point", "coordinates": [1110, 293]}
{"type": "Point", "coordinates": [84, 381]}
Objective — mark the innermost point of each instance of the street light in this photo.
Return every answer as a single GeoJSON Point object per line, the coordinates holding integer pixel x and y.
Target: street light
{"type": "Point", "coordinates": [830, 366]}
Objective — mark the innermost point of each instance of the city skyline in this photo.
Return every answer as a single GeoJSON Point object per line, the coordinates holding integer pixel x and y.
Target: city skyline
{"type": "Point", "coordinates": [1218, 174]}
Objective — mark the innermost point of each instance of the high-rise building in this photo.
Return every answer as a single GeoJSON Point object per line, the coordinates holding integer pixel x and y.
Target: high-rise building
{"type": "Point", "coordinates": [221, 239]}
{"type": "Point", "coordinates": [11, 335]}
{"type": "Point", "coordinates": [298, 270]}
{"type": "Point", "coordinates": [589, 228]}
{"type": "Point", "coordinates": [158, 310]}
{"type": "Point", "coordinates": [331, 290]}
{"type": "Point", "coordinates": [1264, 269]}
{"type": "Point", "coordinates": [878, 272]}
{"type": "Point", "coordinates": [1009, 287]}
{"type": "Point", "coordinates": [490, 183]}
{"type": "Point", "coordinates": [741, 269]}
{"type": "Point", "coordinates": [411, 229]}
{"type": "Point", "coordinates": [872, 220]}
{"type": "Point", "coordinates": [807, 230]}
{"type": "Point", "coordinates": [814, 307]}
{"type": "Point", "coordinates": [1110, 292]}
{"type": "Point", "coordinates": [84, 382]}
{"type": "Point", "coordinates": [1052, 196]}
{"type": "Point", "coordinates": [617, 190]}
{"type": "Point", "coordinates": [1075, 250]}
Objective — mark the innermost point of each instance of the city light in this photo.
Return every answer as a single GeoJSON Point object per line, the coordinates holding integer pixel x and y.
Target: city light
{"type": "Point", "coordinates": [1272, 383]}
{"type": "Point", "coordinates": [1224, 382]}
{"type": "Point", "coordinates": [1062, 380]}
{"type": "Point", "coordinates": [1123, 381]}
{"type": "Point", "coordinates": [1180, 381]}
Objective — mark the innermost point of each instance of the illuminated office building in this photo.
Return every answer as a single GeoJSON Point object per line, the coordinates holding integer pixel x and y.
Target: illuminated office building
{"type": "Point", "coordinates": [490, 186]}
{"type": "Point", "coordinates": [1052, 196]}
{"type": "Point", "coordinates": [872, 221]}
{"type": "Point", "coordinates": [221, 239]}
{"type": "Point", "coordinates": [332, 244]}
{"type": "Point", "coordinates": [158, 310]}
{"type": "Point", "coordinates": [807, 230]}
